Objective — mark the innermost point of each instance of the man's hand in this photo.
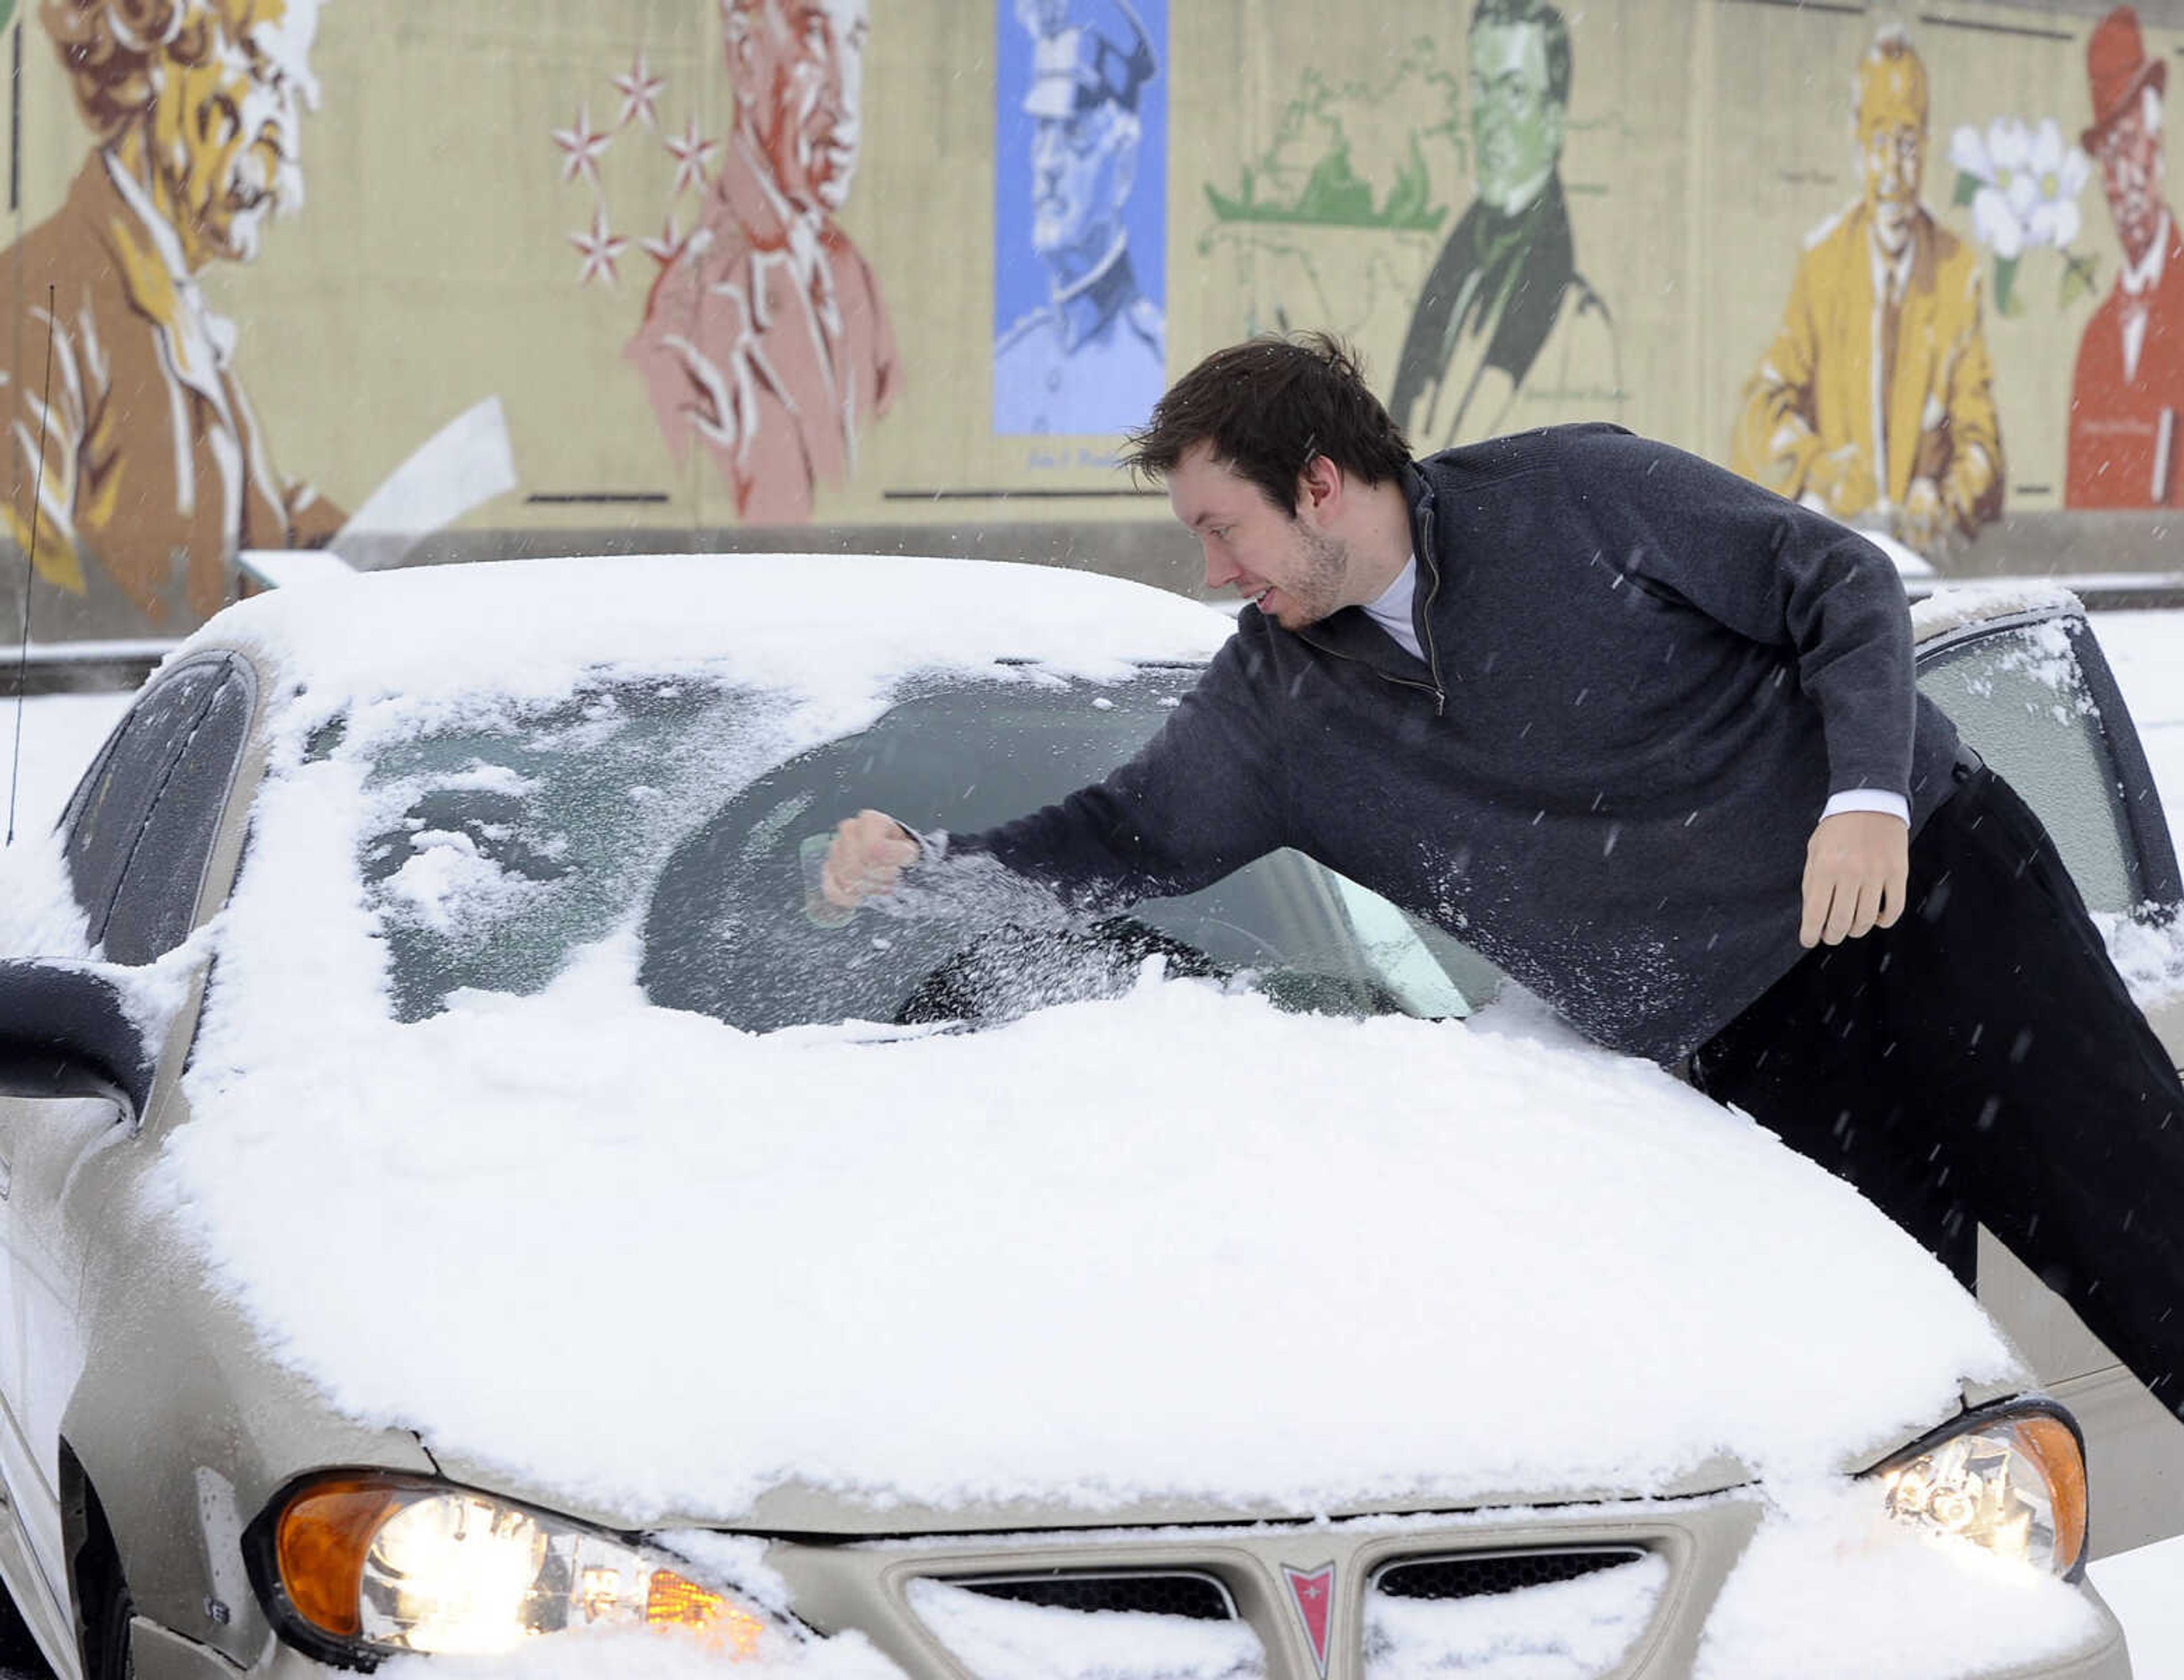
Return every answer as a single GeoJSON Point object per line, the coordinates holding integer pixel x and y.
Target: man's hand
{"type": "Point", "coordinates": [1922, 522]}
{"type": "Point", "coordinates": [1856, 868]}
{"type": "Point", "coordinates": [871, 851]}
{"type": "Point", "coordinates": [1843, 482]}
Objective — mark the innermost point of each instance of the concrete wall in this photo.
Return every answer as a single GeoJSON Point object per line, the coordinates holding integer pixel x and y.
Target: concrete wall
{"type": "Point", "coordinates": [480, 189]}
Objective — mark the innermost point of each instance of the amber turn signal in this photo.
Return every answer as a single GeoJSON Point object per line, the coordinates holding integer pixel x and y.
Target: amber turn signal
{"type": "Point", "coordinates": [320, 1544]}
{"type": "Point", "coordinates": [2048, 1441]}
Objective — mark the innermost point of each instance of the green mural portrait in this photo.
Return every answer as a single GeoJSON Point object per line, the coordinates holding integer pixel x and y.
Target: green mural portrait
{"type": "Point", "coordinates": [1504, 313]}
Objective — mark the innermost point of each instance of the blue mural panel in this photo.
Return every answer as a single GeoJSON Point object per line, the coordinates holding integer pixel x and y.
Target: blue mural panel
{"type": "Point", "coordinates": [1080, 214]}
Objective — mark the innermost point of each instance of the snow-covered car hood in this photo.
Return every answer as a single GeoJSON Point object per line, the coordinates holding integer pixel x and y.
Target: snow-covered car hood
{"type": "Point", "coordinates": [1174, 1247]}
{"type": "Point", "coordinates": [1172, 1252]}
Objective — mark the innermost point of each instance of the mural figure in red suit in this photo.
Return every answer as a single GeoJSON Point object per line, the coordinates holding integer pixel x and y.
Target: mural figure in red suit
{"type": "Point", "coordinates": [2127, 400]}
{"type": "Point", "coordinates": [765, 339]}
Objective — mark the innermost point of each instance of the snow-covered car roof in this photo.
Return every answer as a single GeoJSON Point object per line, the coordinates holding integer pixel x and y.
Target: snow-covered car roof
{"type": "Point", "coordinates": [1166, 1253]}
{"type": "Point", "coordinates": [841, 626]}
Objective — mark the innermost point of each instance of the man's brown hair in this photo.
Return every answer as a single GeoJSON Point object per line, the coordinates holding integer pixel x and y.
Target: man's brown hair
{"type": "Point", "coordinates": [1267, 406]}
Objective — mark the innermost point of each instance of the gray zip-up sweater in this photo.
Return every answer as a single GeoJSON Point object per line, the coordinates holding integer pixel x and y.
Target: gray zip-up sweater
{"type": "Point", "coordinates": [1643, 677]}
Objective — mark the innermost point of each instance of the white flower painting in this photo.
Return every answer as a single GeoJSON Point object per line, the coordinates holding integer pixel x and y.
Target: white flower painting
{"type": "Point", "coordinates": [2023, 182]}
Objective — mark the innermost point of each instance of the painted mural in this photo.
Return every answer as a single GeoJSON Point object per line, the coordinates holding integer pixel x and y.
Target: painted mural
{"type": "Point", "coordinates": [2128, 388]}
{"type": "Point", "coordinates": [766, 342]}
{"type": "Point", "coordinates": [1334, 222]}
{"type": "Point", "coordinates": [2023, 182]}
{"type": "Point", "coordinates": [1080, 151]}
{"type": "Point", "coordinates": [136, 450]}
{"type": "Point", "coordinates": [1505, 310]}
{"type": "Point", "coordinates": [703, 266]}
{"type": "Point", "coordinates": [1875, 402]}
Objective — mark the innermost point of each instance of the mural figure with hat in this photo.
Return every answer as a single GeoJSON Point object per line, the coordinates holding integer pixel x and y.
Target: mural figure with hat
{"type": "Point", "coordinates": [1875, 402]}
{"type": "Point", "coordinates": [1504, 312]}
{"type": "Point", "coordinates": [2127, 398]}
{"type": "Point", "coordinates": [155, 468]}
{"type": "Point", "coordinates": [1091, 357]}
{"type": "Point", "coordinates": [765, 339]}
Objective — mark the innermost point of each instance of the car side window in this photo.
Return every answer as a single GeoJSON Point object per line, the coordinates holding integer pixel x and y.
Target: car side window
{"type": "Point", "coordinates": [139, 831]}
{"type": "Point", "coordinates": [2037, 702]}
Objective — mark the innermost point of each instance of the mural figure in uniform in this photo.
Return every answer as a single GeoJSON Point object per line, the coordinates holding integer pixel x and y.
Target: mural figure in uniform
{"type": "Point", "coordinates": [155, 468]}
{"type": "Point", "coordinates": [1505, 310]}
{"type": "Point", "coordinates": [1092, 358]}
{"type": "Point", "coordinates": [1875, 402]}
{"type": "Point", "coordinates": [2127, 399]}
{"type": "Point", "coordinates": [765, 339]}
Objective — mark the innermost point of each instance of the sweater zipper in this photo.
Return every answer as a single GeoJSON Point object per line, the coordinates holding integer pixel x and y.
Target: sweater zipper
{"type": "Point", "coordinates": [1433, 655]}
{"type": "Point", "coordinates": [1440, 700]}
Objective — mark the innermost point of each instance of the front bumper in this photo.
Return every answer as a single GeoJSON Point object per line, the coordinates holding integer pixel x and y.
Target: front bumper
{"type": "Point", "coordinates": [1726, 1565]}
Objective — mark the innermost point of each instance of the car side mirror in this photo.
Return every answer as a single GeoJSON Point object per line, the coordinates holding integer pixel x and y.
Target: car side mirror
{"type": "Point", "coordinates": [71, 1028]}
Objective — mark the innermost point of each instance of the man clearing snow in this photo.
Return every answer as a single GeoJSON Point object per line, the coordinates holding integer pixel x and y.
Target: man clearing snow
{"type": "Point", "coordinates": [1598, 709]}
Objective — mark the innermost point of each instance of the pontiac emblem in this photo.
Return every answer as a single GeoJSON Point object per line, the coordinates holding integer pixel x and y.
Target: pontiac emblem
{"type": "Point", "coordinates": [1313, 1591]}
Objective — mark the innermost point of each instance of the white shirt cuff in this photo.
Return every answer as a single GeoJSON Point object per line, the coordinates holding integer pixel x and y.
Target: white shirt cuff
{"type": "Point", "coordinates": [1869, 799]}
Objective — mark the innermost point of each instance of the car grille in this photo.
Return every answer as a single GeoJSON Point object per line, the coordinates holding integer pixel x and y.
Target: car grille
{"type": "Point", "coordinates": [1158, 1592]}
{"type": "Point", "coordinates": [1478, 1574]}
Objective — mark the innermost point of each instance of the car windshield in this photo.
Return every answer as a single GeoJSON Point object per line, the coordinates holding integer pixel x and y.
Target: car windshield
{"type": "Point", "coordinates": [498, 845]}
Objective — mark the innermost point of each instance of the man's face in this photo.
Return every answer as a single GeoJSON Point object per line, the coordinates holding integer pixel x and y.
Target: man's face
{"type": "Point", "coordinates": [1516, 125]}
{"type": "Point", "coordinates": [1891, 149]}
{"type": "Point", "coordinates": [2128, 152]}
{"type": "Point", "coordinates": [1293, 570]}
{"type": "Point", "coordinates": [228, 130]}
{"type": "Point", "coordinates": [799, 69]}
{"type": "Point", "coordinates": [1082, 167]}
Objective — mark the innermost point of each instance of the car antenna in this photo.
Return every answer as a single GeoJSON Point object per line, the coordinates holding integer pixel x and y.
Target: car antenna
{"type": "Point", "coordinates": [30, 567]}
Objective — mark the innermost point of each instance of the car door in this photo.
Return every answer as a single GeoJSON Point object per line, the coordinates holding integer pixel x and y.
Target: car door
{"type": "Point", "coordinates": [2029, 687]}
{"type": "Point", "coordinates": [138, 836]}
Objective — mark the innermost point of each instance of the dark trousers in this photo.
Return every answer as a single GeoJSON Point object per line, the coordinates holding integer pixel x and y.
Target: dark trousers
{"type": "Point", "coordinates": [1981, 1062]}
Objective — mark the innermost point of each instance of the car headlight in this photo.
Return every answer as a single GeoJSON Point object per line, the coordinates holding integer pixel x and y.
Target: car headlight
{"type": "Point", "coordinates": [2012, 1480]}
{"type": "Point", "coordinates": [359, 1566]}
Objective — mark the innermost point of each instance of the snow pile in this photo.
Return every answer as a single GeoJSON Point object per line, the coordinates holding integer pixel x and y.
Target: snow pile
{"type": "Point", "coordinates": [2147, 946]}
{"type": "Point", "coordinates": [1565, 1630]}
{"type": "Point", "coordinates": [38, 912]}
{"type": "Point", "coordinates": [61, 735]}
{"type": "Point", "coordinates": [996, 1640]}
{"type": "Point", "coordinates": [1829, 1588]}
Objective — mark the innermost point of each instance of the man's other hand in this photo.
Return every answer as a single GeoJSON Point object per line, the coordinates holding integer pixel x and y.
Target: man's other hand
{"type": "Point", "coordinates": [1856, 868]}
{"type": "Point", "coordinates": [1843, 482]}
{"type": "Point", "coordinates": [871, 851]}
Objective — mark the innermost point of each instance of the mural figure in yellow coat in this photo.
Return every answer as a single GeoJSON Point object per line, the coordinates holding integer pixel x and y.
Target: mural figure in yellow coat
{"type": "Point", "coordinates": [1875, 402]}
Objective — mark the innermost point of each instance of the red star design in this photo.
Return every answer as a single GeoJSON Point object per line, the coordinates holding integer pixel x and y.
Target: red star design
{"type": "Point", "coordinates": [600, 247]}
{"type": "Point", "coordinates": [582, 146]}
{"type": "Point", "coordinates": [665, 245]}
{"type": "Point", "coordinates": [691, 154]}
{"type": "Point", "coordinates": [638, 90]}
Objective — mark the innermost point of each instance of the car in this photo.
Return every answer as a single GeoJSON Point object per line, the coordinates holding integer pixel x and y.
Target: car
{"type": "Point", "coordinates": [466, 1191]}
